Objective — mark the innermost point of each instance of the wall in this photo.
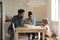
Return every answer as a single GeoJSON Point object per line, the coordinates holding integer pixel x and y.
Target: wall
{"type": "Point", "coordinates": [1, 0]}
{"type": "Point", "coordinates": [59, 19]}
{"type": "Point", "coordinates": [39, 2]}
{"type": "Point", "coordinates": [11, 7]}
{"type": "Point", "coordinates": [53, 24]}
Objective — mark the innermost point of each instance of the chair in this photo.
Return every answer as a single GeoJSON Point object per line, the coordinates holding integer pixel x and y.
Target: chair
{"type": "Point", "coordinates": [14, 31]}
{"type": "Point", "coordinates": [6, 35]}
{"type": "Point", "coordinates": [53, 36]}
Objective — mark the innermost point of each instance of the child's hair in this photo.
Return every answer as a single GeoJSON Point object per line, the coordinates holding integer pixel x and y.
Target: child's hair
{"type": "Point", "coordinates": [45, 21]}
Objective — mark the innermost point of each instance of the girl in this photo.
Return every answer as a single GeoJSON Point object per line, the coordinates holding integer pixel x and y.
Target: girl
{"type": "Point", "coordinates": [45, 25]}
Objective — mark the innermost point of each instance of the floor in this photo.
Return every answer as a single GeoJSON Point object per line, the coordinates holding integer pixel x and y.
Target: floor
{"type": "Point", "coordinates": [51, 38]}
{"type": "Point", "coordinates": [36, 39]}
{"type": "Point", "coordinates": [48, 39]}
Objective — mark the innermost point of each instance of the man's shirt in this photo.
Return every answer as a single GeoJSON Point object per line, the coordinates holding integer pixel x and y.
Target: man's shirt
{"type": "Point", "coordinates": [17, 22]}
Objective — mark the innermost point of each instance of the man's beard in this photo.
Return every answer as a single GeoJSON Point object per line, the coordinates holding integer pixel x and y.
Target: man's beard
{"type": "Point", "coordinates": [21, 17]}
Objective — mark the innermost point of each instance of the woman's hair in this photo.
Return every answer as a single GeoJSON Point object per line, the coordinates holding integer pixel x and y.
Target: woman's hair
{"type": "Point", "coordinates": [29, 13]}
{"type": "Point", "coordinates": [45, 21]}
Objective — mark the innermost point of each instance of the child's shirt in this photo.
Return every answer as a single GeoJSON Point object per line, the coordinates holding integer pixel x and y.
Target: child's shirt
{"type": "Point", "coordinates": [48, 32]}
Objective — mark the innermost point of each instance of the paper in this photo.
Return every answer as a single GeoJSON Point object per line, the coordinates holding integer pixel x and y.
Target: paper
{"type": "Point", "coordinates": [34, 27]}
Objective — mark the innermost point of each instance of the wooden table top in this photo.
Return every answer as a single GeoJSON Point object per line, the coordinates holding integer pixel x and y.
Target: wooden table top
{"type": "Point", "coordinates": [22, 29]}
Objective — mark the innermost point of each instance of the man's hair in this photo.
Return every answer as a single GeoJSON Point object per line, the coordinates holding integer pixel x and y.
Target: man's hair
{"type": "Point", "coordinates": [29, 13]}
{"type": "Point", "coordinates": [21, 11]}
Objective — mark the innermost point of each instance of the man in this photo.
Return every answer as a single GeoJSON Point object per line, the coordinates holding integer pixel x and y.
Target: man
{"type": "Point", "coordinates": [18, 22]}
{"type": "Point", "coordinates": [31, 21]}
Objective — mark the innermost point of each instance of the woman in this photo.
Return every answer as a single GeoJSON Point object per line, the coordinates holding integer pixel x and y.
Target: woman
{"type": "Point", "coordinates": [31, 21]}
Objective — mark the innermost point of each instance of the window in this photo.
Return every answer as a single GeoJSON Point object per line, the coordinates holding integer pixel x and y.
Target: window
{"type": "Point", "coordinates": [54, 10]}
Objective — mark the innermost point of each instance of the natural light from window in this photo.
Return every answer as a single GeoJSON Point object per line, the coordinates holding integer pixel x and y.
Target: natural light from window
{"type": "Point", "coordinates": [54, 10]}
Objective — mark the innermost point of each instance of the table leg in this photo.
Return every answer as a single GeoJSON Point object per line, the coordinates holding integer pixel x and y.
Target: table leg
{"type": "Point", "coordinates": [43, 35]}
{"type": "Point", "coordinates": [39, 36]}
{"type": "Point", "coordinates": [16, 35]}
